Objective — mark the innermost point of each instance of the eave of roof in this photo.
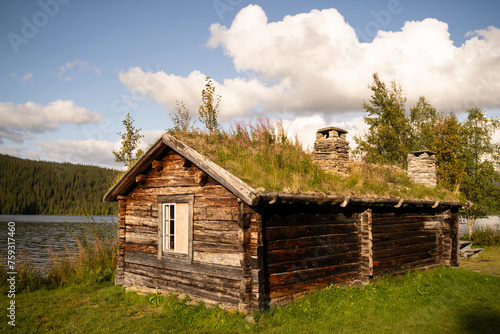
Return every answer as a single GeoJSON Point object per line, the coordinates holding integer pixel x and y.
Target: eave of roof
{"type": "Point", "coordinates": [275, 197]}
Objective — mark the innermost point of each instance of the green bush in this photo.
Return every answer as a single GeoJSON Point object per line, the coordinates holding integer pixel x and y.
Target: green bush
{"type": "Point", "coordinates": [484, 236]}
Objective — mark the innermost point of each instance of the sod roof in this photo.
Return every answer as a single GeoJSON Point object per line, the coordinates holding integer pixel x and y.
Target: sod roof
{"type": "Point", "coordinates": [258, 164]}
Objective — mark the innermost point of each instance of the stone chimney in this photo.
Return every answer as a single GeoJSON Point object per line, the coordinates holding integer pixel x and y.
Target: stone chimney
{"type": "Point", "coordinates": [331, 150]}
{"type": "Point", "coordinates": [422, 167]}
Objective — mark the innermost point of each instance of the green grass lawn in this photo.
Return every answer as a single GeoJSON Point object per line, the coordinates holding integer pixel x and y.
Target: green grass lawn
{"type": "Point", "coordinates": [487, 262]}
{"type": "Point", "coordinates": [443, 300]}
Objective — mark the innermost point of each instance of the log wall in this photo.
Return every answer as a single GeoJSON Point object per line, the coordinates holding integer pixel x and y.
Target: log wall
{"type": "Point", "coordinates": [218, 238]}
{"type": "Point", "coordinates": [309, 251]}
{"type": "Point", "coordinates": [306, 251]}
{"type": "Point", "coordinates": [411, 240]}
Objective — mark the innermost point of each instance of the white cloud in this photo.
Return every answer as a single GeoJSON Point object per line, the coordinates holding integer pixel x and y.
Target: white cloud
{"type": "Point", "coordinates": [78, 65]}
{"type": "Point", "coordinates": [98, 152]}
{"type": "Point", "coordinates": [25, 77]}
{"type": "Point", "coordinates": [305, 127]}
{"type": "Point", "coordinates": [314, 63]}
{"type": "Point", "coordinates": [90, 151]}
{"type": "Point", "coordinates": [24, 121]}
{"type": "Point", "coordinates": [150, 137]}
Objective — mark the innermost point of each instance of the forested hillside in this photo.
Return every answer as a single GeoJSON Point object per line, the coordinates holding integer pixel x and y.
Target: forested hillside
{"type": "Point", "coordinates": [41, 187]}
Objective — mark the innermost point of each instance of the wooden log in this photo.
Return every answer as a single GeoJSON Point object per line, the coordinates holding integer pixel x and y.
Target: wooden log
{"type": "Point", "coordinates": [216, 213]}
{"type": "Point", "coordinates": [311, 241]}
{"type": "Point", "coordinates": [292, 290]}
{"type": "Point", "coordinates": [403, 241]}
{"type": "Point", "coordinates": [419, 264]}
{"type": "Point", "coordinates": [300, 253]}
{"type": "Point", "coordinates": [215, 247]}
{"type": "Point", "coordinates": [226, 259]}
{"type": "Point", "coordinates": [146, 221]}
{"type": "Point", "coordinates": [291, 232]}
{"type": "Point", "coordinates": [309, 219]}
{"type": "Point", "coordinates": [222, 200]}
{"type": "Point", "coordinates": [157, 165]}
{"type": "Point", "coordinates": [316, 262]}
{"type": "Point", "coordinates": [181, 265]}
{"type": "Point", "coordinates": [140, 178]}
{"type": "Point", "coordinates": [404, 250]}
{"type": "Point", "coordinates": [310, 275]}
{"type": "Point", "coordinates": [171, 180]}
{"type": "Point", "coordinates": [216, 225]}
{"type": "Point", "coordinates": [213, 284]}
{"type": "Point", "coordinates": [147, 249]}
{"type": "Point", "coordinates": [201, 178]}
{"type": "Point", "coordinates": [387, 219]}
{"type": "Point", "coordinates": [398, 227]}
{"type": "Point", "coordinates": [366, 243]}
{"type": "Point", "coordinates": [134, 279]}
{"type": "Point", "coordinates": [228, 237]}
{"type": "Point", "coordinates": [381, 237]}
{"type": "Point", "coordinates": [396, 261]}
{"type": "Point", "coordinates": [142, 238]}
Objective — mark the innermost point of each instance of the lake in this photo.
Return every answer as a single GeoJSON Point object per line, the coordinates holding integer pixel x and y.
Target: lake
{"type": "Point", "coordinates": [36, 234]}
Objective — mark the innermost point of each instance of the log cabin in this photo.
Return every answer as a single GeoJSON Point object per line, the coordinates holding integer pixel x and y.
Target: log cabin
{"type": "Point", "coordinates": [188, 225]}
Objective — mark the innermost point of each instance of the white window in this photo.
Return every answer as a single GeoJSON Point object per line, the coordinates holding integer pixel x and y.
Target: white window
{"type": "Point", "coordinates": [169, 227]}
{"type": "Point", "coordinates": [175, 226]}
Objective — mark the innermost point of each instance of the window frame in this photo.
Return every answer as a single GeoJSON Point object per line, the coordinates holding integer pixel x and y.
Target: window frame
{"type": "Point", "coordinates": [174, 199]}
{"type": "Point", "coordinates": [167, 225]}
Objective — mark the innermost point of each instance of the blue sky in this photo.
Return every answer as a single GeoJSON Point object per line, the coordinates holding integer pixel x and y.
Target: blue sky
{"type": "Point", "coordinates": [71, 69]}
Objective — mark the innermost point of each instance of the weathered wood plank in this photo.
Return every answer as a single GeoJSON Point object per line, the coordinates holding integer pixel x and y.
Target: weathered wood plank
{"type": "Point", "coordinates": [325, 261]}
{"type": "Point", "coordinates": [216, 247]}
{"type": "Point", "coordinates": [216, 213]}
{"type": "Point", "coordinates": [309, 219]}
{"type": "Point", "coordinates": [147, 249]}
{"type": "Point", "coordinates": [381, 237]}
{"type": "Point", "coordinates": [151, 222]}
{"type": "Point", "coordinates": [403, 242]}
{"type": "Point", "coordinates": [277, 233]}
{"type": "Point", "coordinates": [386, 219]}
{"type": "Point", "coordinates": [396, 261]}
{"type": "Point", "coordinates": [210, 269]}
{"type": "Point", "coordinates": [224, 200]}
{"type": "Point", "coordinates": [208, 283]}
{"type": "Point", "coordinates": [311, 241]}
{"type": "Point", "coordinates": [404, 250]}
{"type": "Point", "coordinates": [301, 253]}
{"type": "Point", "coordinates": [141, 238]}
{"type": "Point", "coordinates": [225, 259]}
{"type": "Point", "coordinates": [398, 227]}
{"type": "Point", "coordinates": [419, 264]}
{"type": "Point", "coordinates": [307, 275]}
{"type": "Point", "coordinates": [216, 225]}
{"type": "Point", "coordinates": [228, 237]}
{"type": "Point", "coordinates": [134, 279]}
{"type": "Point", "coordinates": [292, 290]}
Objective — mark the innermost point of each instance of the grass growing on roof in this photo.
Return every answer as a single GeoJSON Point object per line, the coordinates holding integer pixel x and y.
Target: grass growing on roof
{"type": "Point", "coordinates": [263, 156]}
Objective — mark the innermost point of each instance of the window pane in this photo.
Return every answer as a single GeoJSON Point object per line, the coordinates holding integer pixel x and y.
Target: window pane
{"type": "Point", "coordinates": [171, 242]}
{"type": "Point", "coordinates": [172, 211]}
{"type": "Point", "coordinates": [172, 226]}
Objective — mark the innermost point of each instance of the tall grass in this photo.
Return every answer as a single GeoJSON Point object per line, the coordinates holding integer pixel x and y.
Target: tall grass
{"type": "Point", "coordinates": [93, 260]}
{"type": "Point", "coordinates": [264, 156]}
